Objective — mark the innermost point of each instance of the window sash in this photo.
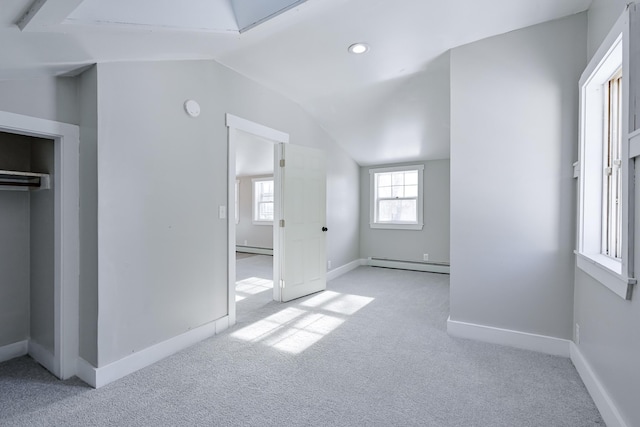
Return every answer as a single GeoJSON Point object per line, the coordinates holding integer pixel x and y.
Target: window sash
{"type": "Point", "coordinates": [612, 173]}
{"type": "Point", "coordinates": [263, 200]}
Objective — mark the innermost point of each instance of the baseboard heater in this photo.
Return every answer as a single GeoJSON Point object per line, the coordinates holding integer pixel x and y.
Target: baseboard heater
{"type": "Point", "coordinates": [428, 266]}
{"type": "Point", "coordinates": [254, 250]}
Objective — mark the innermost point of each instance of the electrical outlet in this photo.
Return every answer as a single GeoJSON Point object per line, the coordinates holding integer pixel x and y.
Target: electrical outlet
{"type": "Point", "coordinates": [425, 257]}
{"type": "Point", "coordinates": [245, 243]}
{"type": "Point", "coordinates": [577, 333]}
{"type": "Point", "coordinates": [329, 265]}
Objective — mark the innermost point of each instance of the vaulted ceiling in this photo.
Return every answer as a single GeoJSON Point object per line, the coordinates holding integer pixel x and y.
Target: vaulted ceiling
{"type": "Point", "coordinates": [388, 105]}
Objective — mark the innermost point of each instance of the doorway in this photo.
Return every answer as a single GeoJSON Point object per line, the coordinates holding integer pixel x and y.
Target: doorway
{"type": "Point", "coordinates": [49, 336]}
{"type": "Point", "coordinates": [255, 200]}
{"type": "Point", "coordinates": [248, 134]}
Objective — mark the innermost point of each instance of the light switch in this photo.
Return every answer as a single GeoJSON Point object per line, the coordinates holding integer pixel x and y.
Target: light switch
{"type": "Point", "coordinates": [222, 212]}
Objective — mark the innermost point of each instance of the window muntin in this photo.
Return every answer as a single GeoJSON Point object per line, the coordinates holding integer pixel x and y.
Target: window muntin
{"type": "Point", "coordinates": [263, 206]}
{"type": "Point", "coordinates": [396, 197]}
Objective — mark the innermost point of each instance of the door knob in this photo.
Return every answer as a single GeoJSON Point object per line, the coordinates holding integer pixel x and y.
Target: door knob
{"type": "Point", "coordinates": [324, 228]}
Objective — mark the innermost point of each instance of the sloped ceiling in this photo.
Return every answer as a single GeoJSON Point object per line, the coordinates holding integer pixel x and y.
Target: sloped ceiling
{"type": "Point", "coordinates": [388, 105]}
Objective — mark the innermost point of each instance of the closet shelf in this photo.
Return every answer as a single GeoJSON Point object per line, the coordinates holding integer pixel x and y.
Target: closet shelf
{"type": "Point", "coordinates": [25, 181]}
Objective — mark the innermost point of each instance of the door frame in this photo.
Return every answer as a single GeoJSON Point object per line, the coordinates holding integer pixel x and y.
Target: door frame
{"type": "Point", "coordinates": [234, 124]}
{"type": "Point", "coordinates": [62, 363]}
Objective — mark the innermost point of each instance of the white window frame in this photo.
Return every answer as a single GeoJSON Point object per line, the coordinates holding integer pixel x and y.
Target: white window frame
{"type": "Point", "coordinates": [237, 202]}
{"type": "Point", "coordinates": [254, 202]}
{"type": "Point", "coordinates": [614, 273]}
{"type": "Point", "coordinates": [373, 223]}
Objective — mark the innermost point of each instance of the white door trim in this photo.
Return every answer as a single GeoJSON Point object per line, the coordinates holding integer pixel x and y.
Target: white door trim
{"type": "Point", "coordinates": [235, 123]}
{"type": "Point", "coordinates": [67, 233]}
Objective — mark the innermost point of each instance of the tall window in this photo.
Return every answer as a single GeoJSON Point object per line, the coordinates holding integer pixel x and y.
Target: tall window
{"type": "Point", "coordinates": [603, 169]}
{"type": "Point", "coordinates": [263, 200]}
{"type": "Point", "coordinates": [396, 197]}
{"type": "Point", "coordinates": [612, 176]}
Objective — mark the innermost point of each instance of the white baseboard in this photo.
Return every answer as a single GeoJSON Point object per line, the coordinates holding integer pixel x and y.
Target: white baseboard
{"type": "Point", "coordinates": [43, 357]}
{"type": "Point", "coordinates": [343, 269]}
{"type": "Point", "coordinates": [508, 337]}
{"type": "Point", "coordinates": [407, 265]}
{"type": "Point", "coordinates": [10, 351]}
{"type": "Point", "coordinates": [601, 398]}
{"type": "Point", "coordinates": [252, 250]}
{"type": "Point", "coordinates": [86, 372]}
{"type": "Point", "coordinates": [98, 377]}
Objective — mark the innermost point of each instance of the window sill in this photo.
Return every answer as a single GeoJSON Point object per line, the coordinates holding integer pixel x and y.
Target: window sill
{"type": "Point", "coordinates": [607, 271]}
{"type": "Point", "coordinates": [395, 226]}
{"type": "Point", "coordinates": [263, 223]}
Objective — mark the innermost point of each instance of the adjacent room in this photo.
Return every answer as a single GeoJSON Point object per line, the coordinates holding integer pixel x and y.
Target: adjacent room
{"type": "Point", "coordinates": [372, 212]}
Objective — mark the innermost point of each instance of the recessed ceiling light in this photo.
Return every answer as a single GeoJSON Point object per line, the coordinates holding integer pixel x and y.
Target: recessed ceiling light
{"type": "Point", "coordinates": [358, 48]}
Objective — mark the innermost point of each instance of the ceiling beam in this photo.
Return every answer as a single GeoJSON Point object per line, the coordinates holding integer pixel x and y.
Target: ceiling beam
{"type": "Point", "coordinates": [45, 13]}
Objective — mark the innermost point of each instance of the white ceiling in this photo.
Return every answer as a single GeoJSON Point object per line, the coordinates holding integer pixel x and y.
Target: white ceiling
{"type": "Point", "coordinates": [386, 106]}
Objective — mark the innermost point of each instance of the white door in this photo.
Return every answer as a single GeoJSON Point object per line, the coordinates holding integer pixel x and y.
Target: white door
{"type": "Point", "coordinates": [302, 225]}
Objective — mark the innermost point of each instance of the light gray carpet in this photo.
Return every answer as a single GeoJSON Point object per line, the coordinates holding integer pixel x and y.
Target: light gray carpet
{"type": "Point", "coordinates": [254, 284]}
{"type": "Point", "coordinates": [373, 351]}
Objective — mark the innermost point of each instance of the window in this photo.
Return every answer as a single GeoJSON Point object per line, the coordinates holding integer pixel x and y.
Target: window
{"type": "Point", "coordinates": [263, 201]}
{"type": "Point", "coordinates": [396, 197]}
{"type": "Point", "coordinates": [603, 169]}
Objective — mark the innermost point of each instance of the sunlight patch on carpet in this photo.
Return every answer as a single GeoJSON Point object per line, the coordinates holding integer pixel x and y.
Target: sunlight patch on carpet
{"type": "Point", "coordinates": [295, 329]}
{"type": "Point", "coordinates": [252, 286]}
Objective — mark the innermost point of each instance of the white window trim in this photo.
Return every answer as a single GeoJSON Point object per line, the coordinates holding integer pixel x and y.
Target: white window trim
{"type": "Point", "coordinates": [616, 275]}
{"type": "Point", "coordinates": [419, 224]}
{"type": "Point", "coordinates": [237, 202]}
{"type": "Point", "coordinates": [253, 201]}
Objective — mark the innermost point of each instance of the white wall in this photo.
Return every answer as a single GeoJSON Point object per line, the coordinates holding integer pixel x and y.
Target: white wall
{"type": "Point", "coordinates": [162, 250]}
{"type": "Point", "coordinates": [514, 122]}
{"type": "Point", "coordinates": [609, 333]}
{"type": "Point", "coordinates": [410, 245]}
{"type": "Point", "coordinates": [256, 236]}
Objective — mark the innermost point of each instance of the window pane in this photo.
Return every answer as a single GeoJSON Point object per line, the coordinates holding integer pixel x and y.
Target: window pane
{"type": "Point", "coordinates": [265, 191]}
{"type": "Point", "coordinates": [384, 179]}
{"type": "Point", "coordinates": [397, 191]}
{"type": "Point", "coordinates": [397, 210]}
{"type": "Point", "coordinates": [398, 178]}
{"type": "Point", "coordinates": [265, 212]}
{"type": "Point", "coordinates": [411, 178]}
{"type": "Point", "coordinates": [411, 191]}
{"type": "Point", "coordinates": [384, 192]}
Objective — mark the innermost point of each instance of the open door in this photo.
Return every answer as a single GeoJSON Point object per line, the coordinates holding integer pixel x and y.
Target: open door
{"type": "Point", "coordinates": [302, 221]}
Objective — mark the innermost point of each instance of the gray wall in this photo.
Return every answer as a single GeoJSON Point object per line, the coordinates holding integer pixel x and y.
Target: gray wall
{"type": "Point", "coordinates": [602, 14]}
{"type": "Point", "coordinates": [609, 333]}
{"type": "Point", "coordinates": [47, 98]}
{"type": "Point", "coordinates": [162, 250]}
{"type": "Point", "coordinates": [257, 236]}
{"type": "Point", "coordinates": [14, 244]}
{"type": "Point", "coordinates": [514, 124]}
{"type": "Point", "coordinates": [410, 245]}
{"type": "Point", "coordinates": [88, 292]}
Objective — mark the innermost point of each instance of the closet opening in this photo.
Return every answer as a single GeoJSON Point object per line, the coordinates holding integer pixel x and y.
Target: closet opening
{"type": "Point", "coordinates": [27, 247]}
